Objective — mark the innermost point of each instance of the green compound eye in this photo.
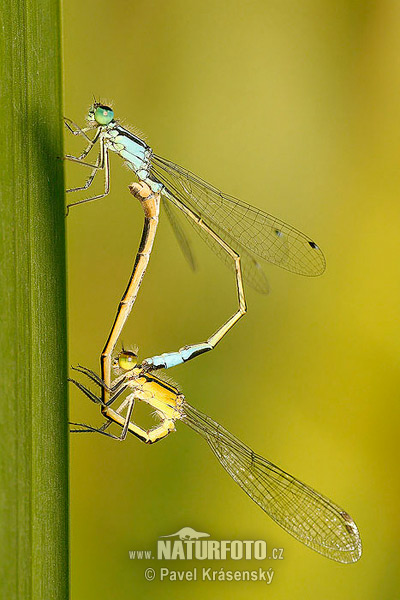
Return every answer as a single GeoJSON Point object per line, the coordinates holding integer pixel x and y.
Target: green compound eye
{"type": "Point", "coordinates": [127, 360]}
{"type": "Point", "coordinates": [104, 115]}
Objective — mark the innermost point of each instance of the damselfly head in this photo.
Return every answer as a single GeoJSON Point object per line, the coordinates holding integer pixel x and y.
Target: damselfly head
{"type": "Point", "coordinates": [99, 114]}
{"type": "Point", "coordinates": [127, 360]}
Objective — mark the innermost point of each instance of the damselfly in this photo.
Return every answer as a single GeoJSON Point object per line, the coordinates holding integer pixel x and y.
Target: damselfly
{"type": "Point", "coordinates": [247, 230]}
{"type": "Point", "coordinates": [308, 516]}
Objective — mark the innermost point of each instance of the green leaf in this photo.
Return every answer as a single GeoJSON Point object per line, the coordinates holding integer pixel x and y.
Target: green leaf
{"type": "Point", "coordinates": [33, 348]}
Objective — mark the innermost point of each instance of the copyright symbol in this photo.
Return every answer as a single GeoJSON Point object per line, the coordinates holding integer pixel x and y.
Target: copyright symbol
{"type": "Point", "coordinates": [150, 574]}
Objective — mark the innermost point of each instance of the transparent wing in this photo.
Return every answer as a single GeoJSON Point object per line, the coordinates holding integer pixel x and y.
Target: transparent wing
{"type": "Point", "coordinates": [179, 233]}
{"type": "Point", "coordinates": [258, 232]}
{"type": "Point", "coordinates": [304, 513]}
{"type": "Point", "coordinates": [252, 271]}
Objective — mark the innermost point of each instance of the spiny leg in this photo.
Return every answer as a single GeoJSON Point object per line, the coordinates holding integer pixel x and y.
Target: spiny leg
{"type": "Point", "coordinates": [69, 124]}
{"type": "Point", "coordinates": [96, 379]}
{"type": "Point", "coordinates": [98, 399]}
{"type": "Point", "coordinates": [89, 429]}
{"type": "Point", "coordinates": [92, 142]}
{"type": "Point", "coordinates": [86, 391]}
{"type": "Point", "coordinates": [90, 374]}
{"type": "Point", "coordinates": [103, 164]}
{"type": "Point", "coordinates": [79, 159]}
{"type": "Point", "coordinates": [129, 401]}
{"type": "Point", "coordinates": [118, 411]}
{"type": "Point", "coordinates": [85, 428]}
{"type": "Point", "coordinates": [92, 175]}
{"type": "Point", "coordinates": [149, 436]}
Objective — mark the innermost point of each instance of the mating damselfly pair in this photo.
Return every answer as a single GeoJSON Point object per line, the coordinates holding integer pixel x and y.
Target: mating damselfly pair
{"type": "Point", "coordinates": [240, 234]}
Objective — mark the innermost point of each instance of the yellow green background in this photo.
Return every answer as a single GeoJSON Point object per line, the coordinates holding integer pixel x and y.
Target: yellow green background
{"type": "Point", "coordinates": [293, 107]}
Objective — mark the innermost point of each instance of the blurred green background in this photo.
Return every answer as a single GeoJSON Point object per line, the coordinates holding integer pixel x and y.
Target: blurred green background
{"type": "Point", "coordinates": [294, 107]}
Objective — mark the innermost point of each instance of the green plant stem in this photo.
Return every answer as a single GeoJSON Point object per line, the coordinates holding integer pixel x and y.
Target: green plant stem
{"type": "Point", "coordinates": [33, 350]}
